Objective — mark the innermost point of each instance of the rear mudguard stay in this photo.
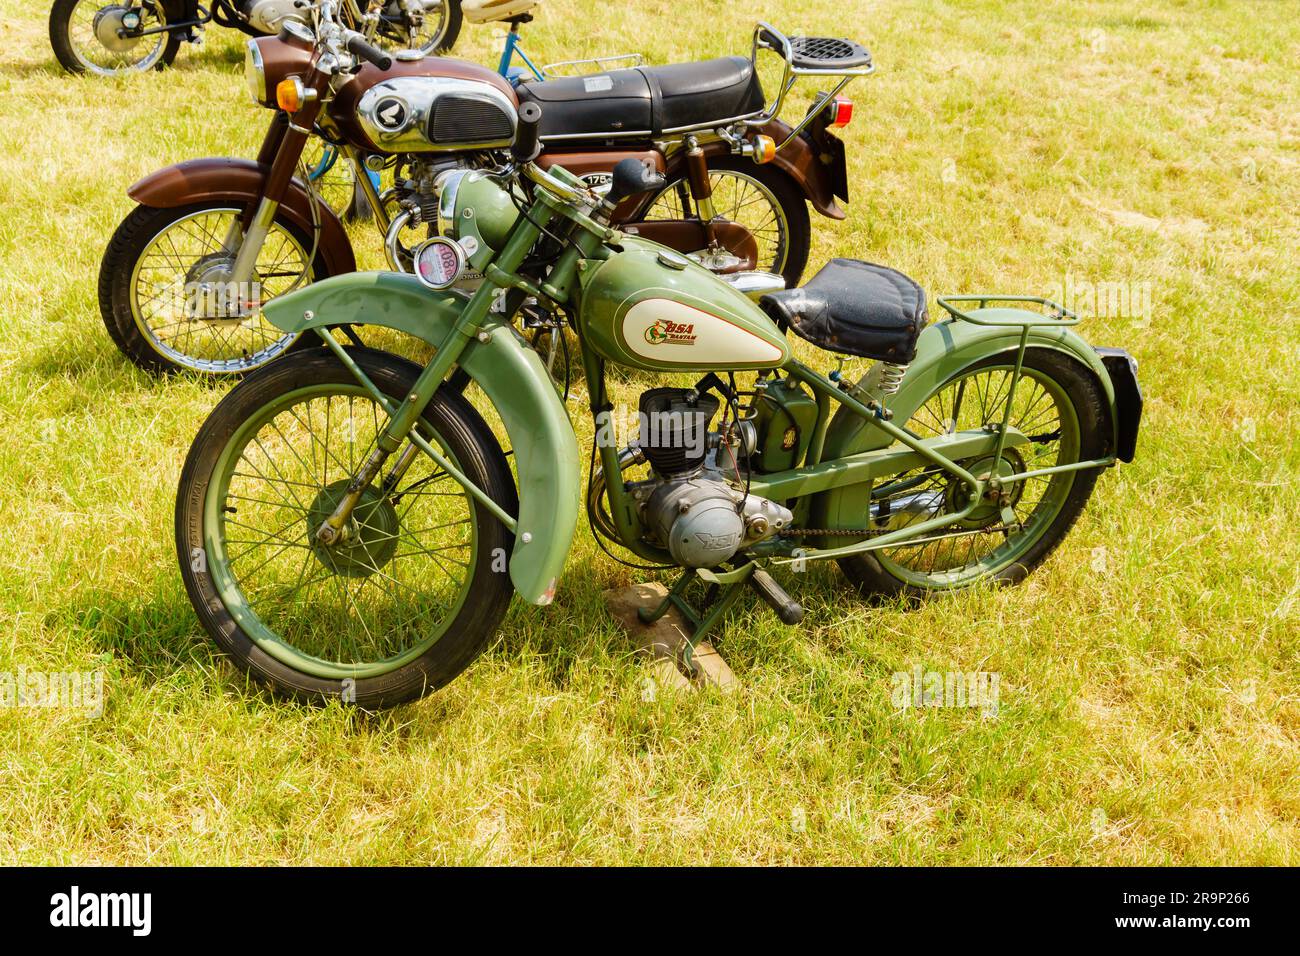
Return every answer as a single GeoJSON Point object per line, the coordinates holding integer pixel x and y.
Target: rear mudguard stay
{"type": "Point", "coordinates": [944, 349]}
{"type": "Point", "coordinates": [510, 374]}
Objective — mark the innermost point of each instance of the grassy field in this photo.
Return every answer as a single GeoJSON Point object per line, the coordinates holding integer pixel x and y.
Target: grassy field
{"type": "Point", "coordinates": [1149, 710]}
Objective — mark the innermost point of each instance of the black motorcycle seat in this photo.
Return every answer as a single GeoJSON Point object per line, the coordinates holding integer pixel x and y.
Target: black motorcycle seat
{"type": "Point", "coordinates": [855, 308]}
{"type": "Point", "coordinates": [645, 99]}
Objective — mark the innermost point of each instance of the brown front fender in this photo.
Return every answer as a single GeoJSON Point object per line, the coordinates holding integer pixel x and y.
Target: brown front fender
{"type": "Point", "coordinates": [240, 181]}
{"type": "Point", "coordinates": [798, 160]}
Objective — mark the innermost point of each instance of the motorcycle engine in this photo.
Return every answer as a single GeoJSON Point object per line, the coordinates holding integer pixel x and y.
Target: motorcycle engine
{"type": "Point", "coordinates": [700, 516]}
{"type": "Point", "coordinates": [267, 15]}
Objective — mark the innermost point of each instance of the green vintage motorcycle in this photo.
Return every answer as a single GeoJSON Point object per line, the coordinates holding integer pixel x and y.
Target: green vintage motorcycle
{"type": "Point", "coordinates": [349, 526]}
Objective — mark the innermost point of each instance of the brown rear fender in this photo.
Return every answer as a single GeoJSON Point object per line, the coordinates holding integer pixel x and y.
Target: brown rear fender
{"type": "Point", "coordinates": [798, 160]}
{"type": "Point", "coordinates": [240, 181]}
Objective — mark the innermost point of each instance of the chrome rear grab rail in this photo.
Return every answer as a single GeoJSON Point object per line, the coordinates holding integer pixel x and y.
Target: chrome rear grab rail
{"type": "Point", "coordinates": [806, 56]}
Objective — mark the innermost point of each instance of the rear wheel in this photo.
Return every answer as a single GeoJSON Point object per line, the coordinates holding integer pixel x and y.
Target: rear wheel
{"type": "Point", "coordinates": [762, 199]}
{"type": "Point", "coordinates": [434, 30]}
{"type": "Point", "coordinates": [1060, 407]}
{"type": "Point", "coordinates": [417, 585]}
{"type": "Point", "coordinates": [163, 287]}
{"type": "Point", "coordinates": [86, 36]}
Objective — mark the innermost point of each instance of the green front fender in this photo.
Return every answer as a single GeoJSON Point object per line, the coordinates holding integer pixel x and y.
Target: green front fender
{"type": "Point", "coordinates": [943, 350]}
{"type": "Point", "coordinates": [512, 377]}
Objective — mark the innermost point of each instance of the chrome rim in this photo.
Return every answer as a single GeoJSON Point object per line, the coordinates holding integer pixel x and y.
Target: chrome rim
{"type": "Point", "coordinates": [178, 278]}
{"type": "Point", "coordinates": [739, 198]}
{"type": "Point", "coordinates": [92, 27]}
{"type": "Point", "coordinates": [403, 35]}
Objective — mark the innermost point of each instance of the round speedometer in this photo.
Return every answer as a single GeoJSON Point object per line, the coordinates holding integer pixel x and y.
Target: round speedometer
{"type": "Point", "coordinates": [438, 262]}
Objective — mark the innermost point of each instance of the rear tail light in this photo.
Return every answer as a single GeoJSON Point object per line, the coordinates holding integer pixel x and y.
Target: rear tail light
{"type": "Point", "coordinates": [839, 112]}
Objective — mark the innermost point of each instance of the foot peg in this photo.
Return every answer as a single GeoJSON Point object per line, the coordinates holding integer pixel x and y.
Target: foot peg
{"type": "Point", "coordinates": [786, 607]}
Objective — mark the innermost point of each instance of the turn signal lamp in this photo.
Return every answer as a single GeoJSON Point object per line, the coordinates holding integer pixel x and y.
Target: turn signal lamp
{"type": "Point", "coordinates": [764, 148]}
{"type": "Point", "coordinates": [290, 94]}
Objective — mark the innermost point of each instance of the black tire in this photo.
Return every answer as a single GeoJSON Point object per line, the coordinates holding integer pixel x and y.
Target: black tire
{"type": "Point", "coordinates": [476, 450]}
{"type": "Point", "coordinates": [61, 40]}
{"type": "Point", "coordinates": [871, 577]}
{"type": "Point", "coordinates": [793, 206]}
{"type": "Point", "coordinates": [450, 33]}
{"type": "Point", "coordinates": [128, 244]}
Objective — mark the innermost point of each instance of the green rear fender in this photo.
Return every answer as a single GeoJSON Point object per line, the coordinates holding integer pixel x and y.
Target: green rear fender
{"type": "Point", "coordinates": [512, 377]}
{"type": "Point", "coordinates": [943, 350]}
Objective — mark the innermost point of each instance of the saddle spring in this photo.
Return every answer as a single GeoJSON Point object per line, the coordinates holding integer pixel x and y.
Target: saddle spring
{"type": "Point", "coordinates": [891, 378]}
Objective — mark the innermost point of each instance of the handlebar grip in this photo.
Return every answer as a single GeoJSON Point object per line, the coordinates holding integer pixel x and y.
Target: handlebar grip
{"type": "Point", "coordinates": [632, 177]}
{"type": "Point", "coordinates": [358, 46]}
{"type": "Point", "coordinates": [526, 146]}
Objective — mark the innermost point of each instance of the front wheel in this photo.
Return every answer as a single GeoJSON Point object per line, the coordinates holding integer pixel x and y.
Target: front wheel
{"type": "Point", "coordinates": [1060, 407]}
{"type": "Point", "coordinates": [165, 290]}
{"type": "Point", "coordinates": [416, 585]}
{"type": "Point", "coordinates": [109, 39]}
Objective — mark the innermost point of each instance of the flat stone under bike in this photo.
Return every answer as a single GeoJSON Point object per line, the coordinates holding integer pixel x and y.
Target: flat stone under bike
{"type": "Point", "coordinates": [349, 526]}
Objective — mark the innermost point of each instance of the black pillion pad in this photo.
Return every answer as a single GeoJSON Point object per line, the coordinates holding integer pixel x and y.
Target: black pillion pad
{"type": "Point", "coordinates": [646, 99]}
{"type": "Point", "coordinates": [856, 308]}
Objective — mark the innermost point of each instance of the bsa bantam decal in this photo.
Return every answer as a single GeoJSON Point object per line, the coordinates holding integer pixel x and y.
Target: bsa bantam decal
{"type": "Point", "coordinates": [664, 332]}
{"type": "Point", "coordinates": [651, 325]}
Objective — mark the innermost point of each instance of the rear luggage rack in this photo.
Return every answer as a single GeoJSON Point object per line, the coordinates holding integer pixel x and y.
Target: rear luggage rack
{"type": "Point", "coordinates": [1016, 318]}
{"type": "Point", "coordinates": [807, 56]}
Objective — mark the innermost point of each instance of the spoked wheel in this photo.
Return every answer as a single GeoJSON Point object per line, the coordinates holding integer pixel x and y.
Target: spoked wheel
{"type": "Point", "coordinates": [165, 291]}
{"type": "Point", "coordinates": [1059, 406]}
{"type": "Point", "coordinates": [417, 584]}
{"type": "Point", "coordinates": [763, 200]}
{"type": "Point", "coordinates": [430, 26]}
{"type": "Point", "coordinates": [107, 39]}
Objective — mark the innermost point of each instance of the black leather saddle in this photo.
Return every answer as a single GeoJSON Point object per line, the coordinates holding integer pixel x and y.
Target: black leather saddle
{"type": "Point", "coordinates": [856, 308]}
{"type": "Point", "coordinates": [645, 99]}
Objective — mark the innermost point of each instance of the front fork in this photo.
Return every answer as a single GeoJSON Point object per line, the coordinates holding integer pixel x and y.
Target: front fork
{"type": "Point", "coordinates": [404, 416]}
{"type": "Point", "coordinates": [282, 148]}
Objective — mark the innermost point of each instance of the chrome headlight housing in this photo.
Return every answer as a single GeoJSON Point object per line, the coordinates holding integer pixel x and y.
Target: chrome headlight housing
{"type": "Point", "coordinates": [255, 72]}
{"type": "Point", "coordinates": [447, 186]}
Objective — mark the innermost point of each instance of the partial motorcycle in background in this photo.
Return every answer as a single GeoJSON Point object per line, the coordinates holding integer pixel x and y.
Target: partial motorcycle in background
{"type": "Point", "coordinates": [737, 178]}
{"type": "Point", "coordinates": [108, 39]}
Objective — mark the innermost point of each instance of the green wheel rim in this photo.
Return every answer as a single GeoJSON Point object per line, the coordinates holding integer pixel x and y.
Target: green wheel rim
{"type": "Point", "coordinates": [972, 552]}
{"type": "Point", "coordinates": [298, 627]}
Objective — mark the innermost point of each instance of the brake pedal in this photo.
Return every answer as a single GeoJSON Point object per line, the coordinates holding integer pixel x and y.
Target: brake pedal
{"type": "Point", "coordinates": [787, 608]}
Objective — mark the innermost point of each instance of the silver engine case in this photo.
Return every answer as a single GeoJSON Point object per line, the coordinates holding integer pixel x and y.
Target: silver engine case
{"type": "Point", "coordinates": [703, 522]}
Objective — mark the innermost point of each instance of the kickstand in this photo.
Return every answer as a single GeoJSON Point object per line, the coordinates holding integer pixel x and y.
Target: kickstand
{"type": "Point", "coordinates": [723, 590]}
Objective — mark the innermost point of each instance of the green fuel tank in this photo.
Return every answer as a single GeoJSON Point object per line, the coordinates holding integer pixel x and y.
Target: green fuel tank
{"type": "Point", "coordinates": [650, 307]}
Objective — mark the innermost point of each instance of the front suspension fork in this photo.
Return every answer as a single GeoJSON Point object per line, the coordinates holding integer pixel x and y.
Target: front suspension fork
{"type": "Point", "coordinates": [404, 416]}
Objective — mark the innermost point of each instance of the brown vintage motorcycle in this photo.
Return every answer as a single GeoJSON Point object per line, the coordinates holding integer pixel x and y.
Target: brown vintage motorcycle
{"type": "Point", "coordinates": [184, 277]}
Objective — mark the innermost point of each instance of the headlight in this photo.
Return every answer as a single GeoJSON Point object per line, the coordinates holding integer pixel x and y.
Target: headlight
{"type": "Point", "coordinates": [254, 72]}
